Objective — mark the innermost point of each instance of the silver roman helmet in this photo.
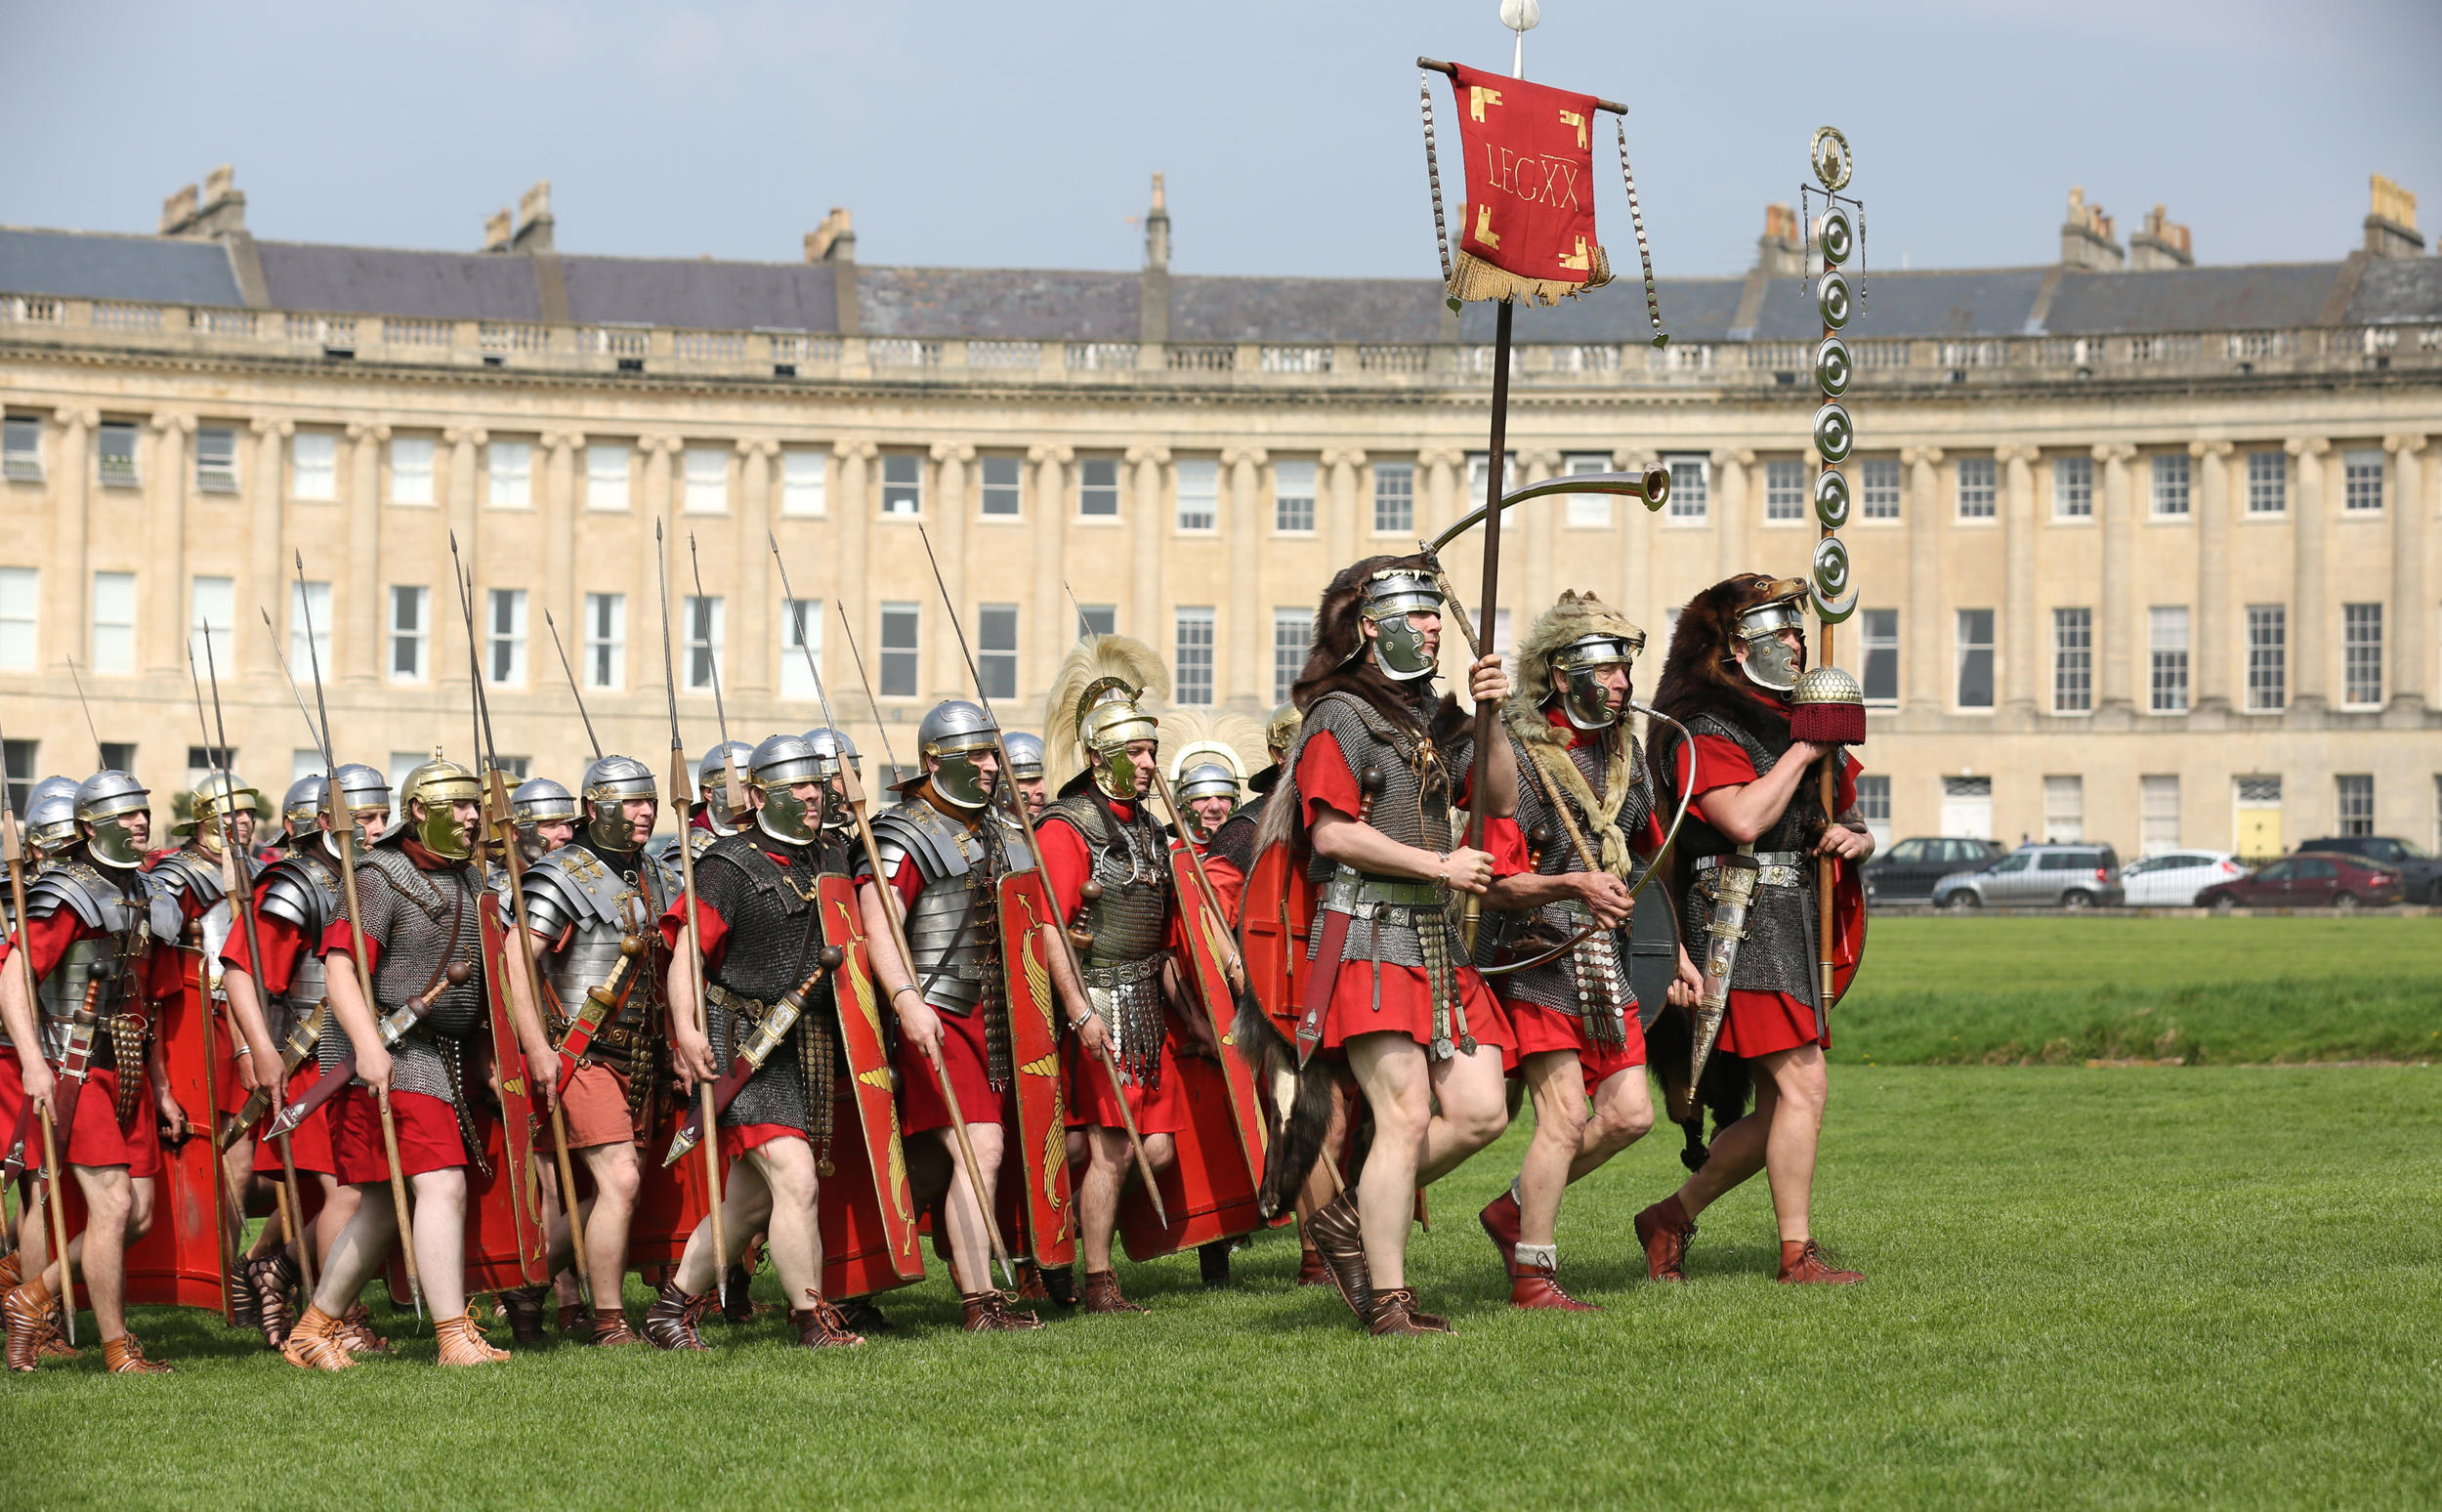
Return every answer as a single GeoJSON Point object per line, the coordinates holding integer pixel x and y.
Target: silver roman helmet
{"type": "Point", "coordinates": [713, 778]}
{"type": "Point", "coordinates": [1109, 720]}
{"type": "Point", "coordinates": [1388, 598]}
{"type": "Point", "coordinates": [539, 800]}
{"type": "Point", "coordinates": [1769, 661]}
{"type": "Point", "coordinates": [954, 734]}
{"type": "Point", "coordinates": [1025, 756]}
{"type": "Point", "coordinates": [611, 782]}
{"type": "Point", "coordinates": [103, 801]}
{"type": "Point", "coordinates": [302, 805]}
{"type": "Point", "coordinates": [836, 751]}
{"type": "Point", "coordinates": [51, 815]}
{"type": "Point", "coordinates": [776, 767]}
{"type": "Point", "coordinates": [1575, 680]}
{"type": "Point", "coordinates": [362, 787]}
{"type": "Point", "coordinates": [1208, 780]}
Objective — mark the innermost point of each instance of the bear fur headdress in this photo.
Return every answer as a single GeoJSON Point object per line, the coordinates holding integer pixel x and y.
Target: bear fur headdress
{"type": "Point", "coordinates": [1699, 675]}
{"type": "Point", "coordinates": [1332, 663]}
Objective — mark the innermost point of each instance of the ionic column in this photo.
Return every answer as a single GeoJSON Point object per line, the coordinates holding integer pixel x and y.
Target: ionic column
{"type": "Point", "coordinates": [1144, 518]}
{"type": "Point", "coordinates": [2116, 632]}
{"type": "Point", "coordinates": [560, 449]}
{"type": "Point", "coordinates": [355, 647]}
{"type": "Point", "coordinates": [2215, 635]}
{"type": "Point", "coordinates": [2308, 676]}
{"type": "Point", "coordinates": [71, 566]}
{"type": "Point", "coordinates": [1245, 616]}
{"type": "Point", "coordinates": [950, 528]}
{"type": "Point", "coordinates": [754, 626]}
{"type": "Point", "coordinates": [2403, 623]}
{"type": "Point", "coordinates": [1051, 476]}
{"type": "Point", "coordinates": [163, 622]}
{"type": "Point", "coordinates": [1729, 509]}
{"type": "Point", "coordinates": [265, 560]}
{"type": "Point", "coordinates": [1922, 666]}
{"type": "Point", "coordinates": [1339, 467]}
{"type": "Point", "coordinates": [1536, 567]}
{"type": "Point", "coordinates": [2018, 628]}
{"type": "Point", "coordinates": [850, 568]}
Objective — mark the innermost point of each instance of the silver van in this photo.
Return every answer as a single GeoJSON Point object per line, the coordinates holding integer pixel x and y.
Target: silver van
{"type": "Point", "coordinates": [2037, 876]}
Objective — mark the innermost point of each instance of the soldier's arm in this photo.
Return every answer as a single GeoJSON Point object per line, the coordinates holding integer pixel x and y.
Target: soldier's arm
{"type": "Point", "coordinates": [1744, 812]}
{"type": "Point", "coordinates": [259, 1067]}
{"type": "Point", "coordinates": [878, 902]}
{"type": "Point", "coordinates": [524, 1014]}
{"type": "Point", "coordinates": [1340, 838]}
{"type": "Point", "coordinates": [16, 1011]}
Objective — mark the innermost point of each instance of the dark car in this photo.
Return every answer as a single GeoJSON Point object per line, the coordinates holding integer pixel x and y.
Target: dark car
{"type": "Point", "coordinates": [2037, 876]}
{"type": "Point", "coordinates": [2317, 880]}
{"type": "Point", "coordinates": [1908, 870]}
{"type": "Point", "coordinates": [2420, 875]}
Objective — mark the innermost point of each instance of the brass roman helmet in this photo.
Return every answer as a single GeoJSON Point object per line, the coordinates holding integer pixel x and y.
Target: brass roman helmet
{"type": "Point", "coordinates": [1279, 732]}
{"type": "Point", "coordinates": [1109, 720]}
{"type": "Point", "coordinates": [221, 791]}
{"type": "Point", "coordinates": [437, 785]}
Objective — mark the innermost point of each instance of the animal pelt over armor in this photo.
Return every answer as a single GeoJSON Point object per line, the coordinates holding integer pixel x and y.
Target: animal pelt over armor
{"type": "Point", "coordinates": [1301, 1098]}
{"type": "Point", "coordinates": [1699, 677]}
{"type": "Point", "coordinates": [1096, 656]}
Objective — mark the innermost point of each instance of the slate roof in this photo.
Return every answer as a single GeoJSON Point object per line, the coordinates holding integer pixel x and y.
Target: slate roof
{"type": "Point", "coordinates": [1052, 305]}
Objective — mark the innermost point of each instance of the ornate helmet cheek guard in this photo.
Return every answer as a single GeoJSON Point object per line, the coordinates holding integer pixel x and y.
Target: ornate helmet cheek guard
{"type": "Point", "coordinates": [1577, 676]}
{"type": "Point", "coordinates": [1769, 663]}
{"type": "Point", "coordinates": [1280, 730]}
{"type": "Point", "coordinates": [774, 770]}
{"type": "Point", "coordinates": [608, 783]}
{"type": "Point", "coordinates": [102, 803]}
{"type": "Point", "coordinates": [440, 784]}
{"type": "Point", "coordinates": [954, 735]}
{"type": "Point", "coordinates": [1387, 598]}
{"type": "Point", "coordinates": [1025, 756]}
{"type": "Point", "coordinates": [713, 783]}
{"type": "Point", "coordinates": [51, 815]}
{"type": "Point", "coordinates": [834, 751]}
{"type": "Point", "coordinates": [1109, 720]}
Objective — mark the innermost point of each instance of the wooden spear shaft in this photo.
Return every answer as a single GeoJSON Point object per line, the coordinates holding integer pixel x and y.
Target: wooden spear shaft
{"type": "Point", "coordinates": [1486, 716]}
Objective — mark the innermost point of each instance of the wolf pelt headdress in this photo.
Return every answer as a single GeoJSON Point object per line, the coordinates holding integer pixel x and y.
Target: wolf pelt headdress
{"type": "Point", "coordinates": [1096, 656]}
{"type": "Point", "coordinates": [1575, 615]}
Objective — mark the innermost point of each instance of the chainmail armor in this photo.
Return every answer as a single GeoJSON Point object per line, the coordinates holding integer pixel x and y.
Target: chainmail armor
{"type": "Point", "coordinates": [422, 921]}
{"type": "Point", "coordinates": [772, 938]}
{"type": "Point", "coordinates": [1778, 955]}
{"type": "Point", "coordinates": [1130, 924]}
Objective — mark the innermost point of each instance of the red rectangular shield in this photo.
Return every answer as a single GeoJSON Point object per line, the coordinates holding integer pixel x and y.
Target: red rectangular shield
{"type": "Point", "coordinates": [1206, 944]}
{"type": "Point", "coordinates": [869, 1086]}
{"type": "Point", "coordinates": [1042, 1142]}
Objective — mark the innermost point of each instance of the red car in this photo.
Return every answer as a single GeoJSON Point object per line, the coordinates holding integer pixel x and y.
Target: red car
{"type": "Point", "coordinates": [2306, 881]}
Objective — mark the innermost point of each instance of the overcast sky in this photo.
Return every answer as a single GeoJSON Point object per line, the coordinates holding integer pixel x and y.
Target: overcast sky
{"type": "Point", "coordinates": [1005, 132]}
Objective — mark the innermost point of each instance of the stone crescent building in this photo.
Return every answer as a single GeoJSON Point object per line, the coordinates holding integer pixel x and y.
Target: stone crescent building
{"type": "Point", "coordinates": [2146, 549]}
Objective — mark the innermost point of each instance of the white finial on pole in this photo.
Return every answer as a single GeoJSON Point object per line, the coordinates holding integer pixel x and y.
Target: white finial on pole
{"type": "Point", "coordinates": [1520, 17]}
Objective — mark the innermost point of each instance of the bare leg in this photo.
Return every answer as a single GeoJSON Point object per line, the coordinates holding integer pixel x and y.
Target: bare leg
{"type": "Point", "coordinates": [1473, 1101]}
{"type": "Point", "coordinates": [358, 1249]}
{"type": "Point", "coordinates": [617, 1178]}
{"type": "Point", "coordinates": [118, 1208]}
{"type": "Point", "coordinates": [1391, 1073]}
{"type": "Point", "coordinates": [440, 1237]}
{"type": "Point", "coordinates": [970, 1248]}
{"type": "Point", "coordinates": [1557, 1082]}
{"type": "Point", "coordinates": [1110, 1166]}
{"type": "Point", "coordinates": [1796, 1129]}
{"type": "Point", "coordinates": [339, 1204]}
{"type": "Point", "coordinates": [1623, 1112]}
{"type": "Point", "coordinates": [786, 1167]}
{"type": "Point", "coordinates": [1737, 1153]}
{"type": "Point", "coordinates": [745, 1202]}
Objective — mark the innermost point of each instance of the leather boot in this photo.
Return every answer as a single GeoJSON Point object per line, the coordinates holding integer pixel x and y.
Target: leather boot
{"type": "Point", "coordinates": [245, 1304]}
{"type": "Point", "coordinates": [1664, 1230]}
{"type": "Point", "coordinates": [577, 1317]}
{"type": "Point", "coordinates": [123, 1356]}
{"type": "Point", "coordinates": [612, 1327]}
{"type": "Point", "coordinates": [356, 1332]}
{"type": "Point", "coordinates": [55, 1344]}
{"type": "Point", "coordinates": [1803, 1265]}
{"type": "Point", "coordinates": [316, 1342]}
{"type": "Point", "coordinates": [462, 1341]}
{"type": "Point", "coordinates": [1532, 1284]}
{"type": "Point", "coordinates": [988, 1312]}
{"type": "Point", "coordinates": [273, 1276]}
{"type": "Point", "coordinates": [1311, 1271]}
{"type": "Point", "coordinates": [1395, 1315]}
{"type": "Point", "coordinates": [1060, 1285]}
{"type": "Point", "coordinates": [862, 1317]}
{"type": "Point", "coordinates": [1212, 1262]}
{"type": "Point", "coordinates": [738, 1303]}
{"type": "Point", "coordinates": [1341, 1244]}
{"type": "Point", "coordinates": [1500, 1219]}
{"type": "Point", "coordinates": [1101, 1294]}
{"type": "Point", "coordinates": [820, 1326]}
{"type": "Point", "coordinates": [524, 1306]}
{"type": "Point", "coordinates": [27, 1313]}
{"type": "Point", "coordinates": [12, 1276]}
{"type": "Point", "coordinates": [1031, 1287]}
{"type": "Point", "coordinates": [670, 1322]}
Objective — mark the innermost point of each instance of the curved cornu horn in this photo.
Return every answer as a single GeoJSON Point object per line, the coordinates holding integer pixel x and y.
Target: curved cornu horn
{"type": "Point", "coordinates": [1653, 486]}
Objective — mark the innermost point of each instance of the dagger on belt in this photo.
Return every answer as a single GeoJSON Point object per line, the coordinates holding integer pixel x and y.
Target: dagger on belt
{"type": "Point", "coordinates": [394, 1027]}
{"type": "Point", "coordinates": [292, 1053]}
{"type": "Point", "coordinates": [1733, 888]}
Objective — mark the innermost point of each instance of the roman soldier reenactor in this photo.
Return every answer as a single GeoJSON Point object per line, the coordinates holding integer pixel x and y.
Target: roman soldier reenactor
{"type": "Point", "coordinates": [1026, 770]}
{"type": "Point", "coordinates": [1233, 842]}
{"type": "Point", "coordinates": [281, 1008]}
{"type": "Point", "coordinates": [1210, 792]}
{"type": "Point", "coordinates": [759, 931]}
{"type": "Point", "coordinates": [95, 933]}
{"type": "Point", "coordinates": [1377, 767]}
{"type": "Point", "coordinates": [712, 817]}
{"type": "Point", "coordinates": [1735, 659]}
{"type": "Point", "coordinates": [1588, 807]}
{"type": "Point", "coordinates": [592, 905]}
{"type": "Point", "coordinates": [945, 848]}
{"type": "Point", "coordinates": [544, 813]}
{"type": "Point", "coordinates": [835, 755]}
{"type": "Point", "coordinates": [420, 936]}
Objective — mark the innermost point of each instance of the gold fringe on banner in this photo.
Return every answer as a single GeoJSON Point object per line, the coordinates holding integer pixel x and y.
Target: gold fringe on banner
{"type": "Point", "coordinates": [1473, 278]}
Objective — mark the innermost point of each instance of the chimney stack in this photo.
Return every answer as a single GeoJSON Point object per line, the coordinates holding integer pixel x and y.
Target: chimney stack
{"type": "Point", "coordinates": [1153, 286]}
{"type": "Point", "coordinates": [1158, 230]}
{"type": "Point", "coordinates": [534, 223]}
{"type": "Point", "coordinates": [2162, 243]}
{"type": "Point", "coordinates": [498, 229]}
{"type": "Point", "coordinates": [1781, 251]}
{"type": "Point", "coordinates": [834, 240]}
{"type": "Point", "coordinates": [2086, 238]}
{"type": "Point", "coordinates": [2391, 224]}
{"type": "Point", "coordinates": [219, 211]}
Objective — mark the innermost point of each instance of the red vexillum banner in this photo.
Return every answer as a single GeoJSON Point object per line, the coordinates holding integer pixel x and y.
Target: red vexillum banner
{"type": "Point", "coordinates": [1529, 210]}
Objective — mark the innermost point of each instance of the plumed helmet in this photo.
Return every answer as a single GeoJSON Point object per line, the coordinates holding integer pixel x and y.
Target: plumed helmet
{"type": "Point", "coordinates": [1281, 728]}
{"type": "Point", "coordinates": [436, 784]}
{"type": "Point", "coordinates": [537, 799]}
{"type": "Point", "coordinates": [777, 766]}
{"type": "Point", "coordinates": [1025, 755]}
{"type": "Point", "coordinates": [1208, 780]}
{"type": "Point", "coordinates": [954, 734]}
{"type": "Point", "coordinates": [50, 814]}
{"type": "Point", "coordinates": [1109, 717]}
{"type": "Point", "coordinates": [302, 804]}
{"type": "Point", "coordinates": [103, 801]}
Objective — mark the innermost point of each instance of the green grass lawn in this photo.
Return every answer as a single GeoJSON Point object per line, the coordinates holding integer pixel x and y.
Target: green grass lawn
{"type": "Point", "coordinates": [2205, 991]}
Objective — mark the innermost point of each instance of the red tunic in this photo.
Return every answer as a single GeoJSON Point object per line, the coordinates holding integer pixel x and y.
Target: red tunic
{"type": "Point", "coordinates": [1157, 1110]}
{"type": "Point", "coordinates": [965, 1057]}
{"type": "Point", "coordinates": [99, 1138]}
{"type": "Point", "coordinates": [1758, 1023]}
{"type": "Point", "coordinates": [1384, 998]}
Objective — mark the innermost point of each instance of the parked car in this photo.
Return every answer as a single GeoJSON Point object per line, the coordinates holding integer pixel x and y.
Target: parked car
{"type": "Point", "coordinates": [2037, 876]}
{"type": "Point", "coordinates": [2172, 881]}
{"type": "Point", "coordinates": [2420, 874]}
{"type": "Point", "coordinates": [1908, 870]}
{"type": "Point", "coordinates": [2316, 880]}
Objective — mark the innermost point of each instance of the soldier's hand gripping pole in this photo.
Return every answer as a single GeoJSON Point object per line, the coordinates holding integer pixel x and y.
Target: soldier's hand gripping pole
{"type": "Point", "coordinates": [12, 852]}
{"type": "Point", "coordinates": [1007, 786]}
{"type": "Point", "coordinates": [852, 793]}
{"type": "Point", "coordinates": [344, 829]}
{"type": "Point", "coordinates": [681, 789]}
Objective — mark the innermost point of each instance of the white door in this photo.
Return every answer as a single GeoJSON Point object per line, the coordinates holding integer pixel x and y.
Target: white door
{"type": "Point", "coordinates": [1967, 808]}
